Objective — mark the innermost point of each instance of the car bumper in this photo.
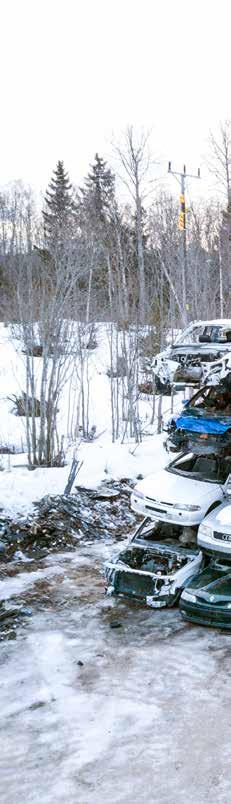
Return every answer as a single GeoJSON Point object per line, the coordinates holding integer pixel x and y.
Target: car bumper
{"type": "Point", "coordinates": [215, 545]}
{"type": "Point", "coordinates": [140, 587]}
{"type": "Point", "coordinates": [201, 614]}
{"type": "Point", "coordinates": [177, 517]}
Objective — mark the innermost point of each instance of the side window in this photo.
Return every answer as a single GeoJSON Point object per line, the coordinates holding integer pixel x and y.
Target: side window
{"type": "Point", "coordinates": [196, 334]}
{"type": "Point", "coordinates": [207, 334]}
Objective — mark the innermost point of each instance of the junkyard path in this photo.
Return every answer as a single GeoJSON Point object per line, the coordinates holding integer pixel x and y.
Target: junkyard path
{"type": "Point", "coordinates": [105, 701]}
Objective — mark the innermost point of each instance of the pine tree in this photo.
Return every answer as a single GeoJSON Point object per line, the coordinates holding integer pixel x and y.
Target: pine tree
{"type": "Point", "coordinates": [100, 189]}
{"type": "Point", "coordinates": [58, 213]}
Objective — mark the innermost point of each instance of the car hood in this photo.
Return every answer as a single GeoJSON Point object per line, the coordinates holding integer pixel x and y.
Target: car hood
{"type": "Point", "coordinates": [212, 585]}
{"type": "Point", "coordinates": [220, 519]}
{"type": "Point", "coordinates": [164, 486]}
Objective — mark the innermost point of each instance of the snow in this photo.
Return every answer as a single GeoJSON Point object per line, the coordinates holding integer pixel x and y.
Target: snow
{"type": "Point", "coordinates": [143, 719]}
{"type": "Point", "coordinates": [89, 713]}
{"type": "Point", "coordinates": [102, 460]}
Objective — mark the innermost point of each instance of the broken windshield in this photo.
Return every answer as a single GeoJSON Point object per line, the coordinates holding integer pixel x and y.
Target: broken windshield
{"type": "Point", "coordinates": [213, 399]}
{"type": "Point", "coordinates": [204, 334]}
{"type": "Point", "coordinates": [202, 467]}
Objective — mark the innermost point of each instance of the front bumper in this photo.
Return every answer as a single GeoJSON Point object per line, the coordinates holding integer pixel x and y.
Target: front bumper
{"type": "Point", "coordinates": [123, 586]}
{"type": "Point", "coordinates": [190, 375]}
{"type": "Point", "coordinates": [202, 614]}
{"type": "Point", "coordinates": [213, 546]}
{"type": "Point", "coordinates": [141, 586]}
{"type": "Point", "coordinates": [164, 514]}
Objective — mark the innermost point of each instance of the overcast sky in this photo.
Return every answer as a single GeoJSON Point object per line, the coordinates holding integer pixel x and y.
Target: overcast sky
{"type": "Point", "coordinates": [73, 74]}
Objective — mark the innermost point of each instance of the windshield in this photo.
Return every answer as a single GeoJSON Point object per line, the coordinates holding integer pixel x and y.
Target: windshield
{"type": "Point", "coordinates": [212, 399]}
{"type": "Point", "coordinates": [190, 336]}
{"type": "Point", "coordinates": [204, 334]}
{"type": "Point", "coordinates": [202, 467]}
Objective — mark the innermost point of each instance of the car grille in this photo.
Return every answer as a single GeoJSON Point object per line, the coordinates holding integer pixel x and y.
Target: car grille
{"type": "Point", "coordinates": [223, 537]}
{"type": "Point", "coordinates": [154, 508]}
{"type": "Point", "coordinates": [159, 502]}
{"type": "Point", "coordinates": [133, 584]}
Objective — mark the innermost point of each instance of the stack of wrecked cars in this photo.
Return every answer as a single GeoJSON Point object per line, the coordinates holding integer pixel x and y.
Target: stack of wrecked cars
{"type": "Point", "coordinates": [207, 598]}
{"type": "Point", "coordinates": [164, 555]}
{"type": "Point", "coordinates": [204, 424]}
{"type": "Point", "coordinates": [181, 552]}
{"type": "Point", "coordinates": [200, 350]}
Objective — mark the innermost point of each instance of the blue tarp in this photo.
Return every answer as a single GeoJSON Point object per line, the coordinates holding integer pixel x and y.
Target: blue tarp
{"type": "Point", "coordinates": [203, 425]}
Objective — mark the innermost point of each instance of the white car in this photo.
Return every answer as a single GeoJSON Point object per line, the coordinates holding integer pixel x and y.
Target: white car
{"type": "Point", "coordinates": [188, 359]}
{"type": "Point", "coordinates": [218, 371]}
{"type": "Point", "coordinates": [214, 533]}
{"type": "Point", "coordinates": [156, 564]}
{"type": "Point", "coordinates": [185, 491]}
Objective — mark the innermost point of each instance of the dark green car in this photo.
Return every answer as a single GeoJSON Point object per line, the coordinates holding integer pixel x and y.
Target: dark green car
{"type": "Point", "coordinates": [207, 599]}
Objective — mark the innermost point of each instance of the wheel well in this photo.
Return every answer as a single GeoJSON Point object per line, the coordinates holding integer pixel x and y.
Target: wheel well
{"type": "Point", "coordinates": [214, 505]}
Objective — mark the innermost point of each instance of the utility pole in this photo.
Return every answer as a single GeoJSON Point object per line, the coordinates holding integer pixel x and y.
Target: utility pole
{"type": "Point", "coordinates": [182, 226]}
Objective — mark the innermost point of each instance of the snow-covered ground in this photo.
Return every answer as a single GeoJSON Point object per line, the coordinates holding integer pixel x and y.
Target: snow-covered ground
{"type": "Point", "coordinates": [92, 714]}
{"type": "Point", "coordinates": [101, 459]}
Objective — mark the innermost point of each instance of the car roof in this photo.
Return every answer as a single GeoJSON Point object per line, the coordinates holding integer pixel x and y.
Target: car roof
{"type": "Point", "coordinates": [215, 322]}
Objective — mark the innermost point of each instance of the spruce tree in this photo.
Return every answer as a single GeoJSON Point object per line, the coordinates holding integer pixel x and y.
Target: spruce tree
{"type": "Point", "coordinates": [59, 208]}
{"type": "Point", "coordinates": [100, 189]}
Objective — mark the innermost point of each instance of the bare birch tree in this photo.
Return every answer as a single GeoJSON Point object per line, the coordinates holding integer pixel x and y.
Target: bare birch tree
{"type": "Point", "coordinates": [135, 160]}
{"type": "Point", "coordinates": [44, 291]}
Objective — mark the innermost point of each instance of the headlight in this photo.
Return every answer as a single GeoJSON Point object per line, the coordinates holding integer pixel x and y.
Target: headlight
{"type": "Point", "coordinates": [138, 494]}
{"type": "Point", "coordinates": [187, 507]}
{"type": "Point", "coordinates": [205, 530]}
{"type": "Point", "coordinates": [188, 596]}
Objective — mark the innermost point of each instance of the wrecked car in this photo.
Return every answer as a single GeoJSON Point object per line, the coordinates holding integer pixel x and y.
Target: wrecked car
{"type": "Point", "coordinates": [206, 600]}
{"type": "Point", "coordinates": [156, 564]}
{"type": "Point", "coordinates": [214, 534]}
{"type": "Point", "coordinates": [218, 371]}
{"type": "Point", "coordinates": [185, 491]}
{"type": "Point", "coordinates": [204, 424]}
{"type": "Point", "coordinates": [200, 344]}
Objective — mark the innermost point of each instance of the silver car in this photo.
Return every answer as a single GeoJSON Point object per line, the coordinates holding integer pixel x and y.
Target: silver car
{"type": "Point", "coordinates": [214, 533]}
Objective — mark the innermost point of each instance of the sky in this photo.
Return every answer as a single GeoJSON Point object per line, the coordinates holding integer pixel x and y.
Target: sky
{"type": "Point", "coordinates": [75, 73]}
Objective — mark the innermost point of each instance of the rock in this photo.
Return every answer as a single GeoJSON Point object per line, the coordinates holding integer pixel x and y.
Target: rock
{"type": "Point", "coordinates": [25, 612]}
{"type": "Point", "coordinates": [115, 624]}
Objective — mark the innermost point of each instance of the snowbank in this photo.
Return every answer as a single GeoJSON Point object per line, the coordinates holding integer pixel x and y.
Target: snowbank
{"type": "Point", "coordinates": [101, 459]}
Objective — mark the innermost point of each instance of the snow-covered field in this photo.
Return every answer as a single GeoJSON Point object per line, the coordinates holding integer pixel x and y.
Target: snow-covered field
{"type": "Point", "coordinates": [101, 459]}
